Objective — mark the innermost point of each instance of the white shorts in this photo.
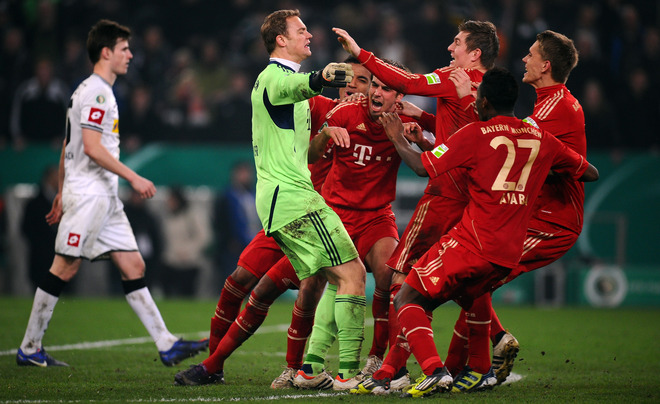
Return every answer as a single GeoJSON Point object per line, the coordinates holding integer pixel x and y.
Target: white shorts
{"type": "Point", "coordinates": [92, 226]}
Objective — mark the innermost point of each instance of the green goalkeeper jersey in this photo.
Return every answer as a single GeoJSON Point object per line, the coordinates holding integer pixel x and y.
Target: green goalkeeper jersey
{"type": "Point", "coordinates": [280, 141]}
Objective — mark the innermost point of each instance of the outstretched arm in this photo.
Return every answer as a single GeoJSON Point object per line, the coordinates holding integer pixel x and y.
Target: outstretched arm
{"type": "Point", "coordinates": [394, 130]}
{"type": "Point", "coordinates": [347, 42]}
{"type": "Point", "coordinates": [318, 144]}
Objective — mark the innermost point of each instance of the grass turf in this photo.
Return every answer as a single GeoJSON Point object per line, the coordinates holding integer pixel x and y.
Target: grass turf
{"type": "Point", "coordinates": [567, 355]}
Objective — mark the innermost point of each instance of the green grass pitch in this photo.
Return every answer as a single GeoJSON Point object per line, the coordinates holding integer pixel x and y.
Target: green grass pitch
{"type": "Point", "coordinates": [576, 355]}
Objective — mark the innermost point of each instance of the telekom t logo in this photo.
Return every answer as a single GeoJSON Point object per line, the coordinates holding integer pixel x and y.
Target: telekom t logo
{"type": "Point", "coordinates": [362, 152]}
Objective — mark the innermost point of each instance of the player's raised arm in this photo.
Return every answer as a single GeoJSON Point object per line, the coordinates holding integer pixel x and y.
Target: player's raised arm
{"type": "Point", "coordinates": [347, 41]}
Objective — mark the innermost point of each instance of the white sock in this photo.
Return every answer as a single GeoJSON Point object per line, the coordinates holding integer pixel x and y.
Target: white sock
{"type": "Point", "coordinates": [144, 306]}
{"type": "Point", "coordinates": [42, 312]}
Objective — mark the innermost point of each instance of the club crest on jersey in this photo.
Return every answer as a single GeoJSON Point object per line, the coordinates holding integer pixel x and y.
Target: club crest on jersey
{"type": "Point", "coordinates": [531, 122]}
{"type": "Point", "coordinates": [100, 99]}
{"type": "Point", "coordinates": [73, 240]}
{"type": "Point", "coordinates": [96, 115]}
{"type": "Point", "coordinates": [432, 78]}
{"type": "Point", "coordinates": [440, 150]}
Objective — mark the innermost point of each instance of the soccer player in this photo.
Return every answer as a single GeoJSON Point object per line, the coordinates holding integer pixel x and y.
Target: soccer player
{"type": "Point", "coordinates": [93, 224]}
{"type": "Point", "coordinates": [292, 212]}
{"type": "Point", "coordinates": [474, 49]}
{"type": "Point", "coordinates": [229, 332]}
{"type": "Point", "coordinates": [508, 161]}
{"type": "Point", "coordinates": [360, 187]}
{"type": "Point", "coordinates": [557, 219]}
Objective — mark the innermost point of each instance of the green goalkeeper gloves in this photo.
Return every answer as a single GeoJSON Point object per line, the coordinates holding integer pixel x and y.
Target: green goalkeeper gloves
{"type": "Point", "coordinates": [333, 75]}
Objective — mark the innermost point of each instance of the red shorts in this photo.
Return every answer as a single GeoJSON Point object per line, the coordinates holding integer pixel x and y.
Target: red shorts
{"type": "Point", "coordinates": [545, 244]}
{"type": "Point", "coordinates": [434, 216]}
{"type": "Point", "coordinates": [283, 275]}
{"type": "Point", "coordinates": [449, 271]}
{"type": "Point", "coordinates": [260, 255]}
{"type": "Point", "coordinates": [368, 226]}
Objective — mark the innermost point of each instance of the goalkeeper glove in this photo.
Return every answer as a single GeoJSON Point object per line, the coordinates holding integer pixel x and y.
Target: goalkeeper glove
{"type": "Point", "coordinates": [333, 75]}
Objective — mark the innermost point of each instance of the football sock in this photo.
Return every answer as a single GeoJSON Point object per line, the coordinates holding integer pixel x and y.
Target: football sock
{"type": "Point", "coordinates": [396, 358]}
{"type": "Point", "coordinates": [496, 329]}
{"type": "Point", "coordinates": [419, 334]}
{"type": "Point", "coordinates": [301, 326]}
{"type": "Point", "coordinates": [380, 312]}
{"type": "Point", "coordinates": [41, 313]}
{"type": "Point", "coordinates": [393, 321]}
{"type": "Point", "coordinates": [478, 321]}
{"type": "Point", "coordinates": [323, 332]}
{"type": "Point", "coordinates": [458, 347]}
{"type": "Point", "coordinates": [229, 304]}
{"type": "Point", "coordinates": [350, 311]}
{"type": "Point", "coordinates": [247, 322]}
{"type": "Point", "coordinates": [144, 306]}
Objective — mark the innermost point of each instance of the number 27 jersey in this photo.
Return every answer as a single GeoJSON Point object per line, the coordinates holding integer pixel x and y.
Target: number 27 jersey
{"type": "Point", "coordinates": [507, 162]}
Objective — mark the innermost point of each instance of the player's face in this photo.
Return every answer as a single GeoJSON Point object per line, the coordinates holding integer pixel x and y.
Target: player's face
{"type": "Point", "coordinates": [382, 98]}
{"type": "Point", "coordinates": [534, 65]}
{"type": "Point", "coordinates": [120, 57]}
{"type": "Point", "coordinates": [359, 84]}
{"type": "Point", "coordinates": [461, 56]}
{"type": "Point", "coordinates": [297, 39]}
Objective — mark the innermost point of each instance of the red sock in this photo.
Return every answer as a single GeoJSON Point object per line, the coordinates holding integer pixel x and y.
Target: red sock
{"type": "Point", "coordinates": [495, 325]}
{"type": "Point", "coordinates": [478, 321]}
{"type": "Point", "coordinates": [245, 325]}
{"type": "Point", "coordinates": [380, 311]}
{"type": "Point", "coordinates": [229, 305]}
{"type": "Point", "coordinates": [416, 327]}
{"type": "Point", "coordinates": [457, 354]}
{"type": "Point", "coordinates": [301, 326]}
{"type": "Point", "coordinates": [396, 358]}
{"type": "Point", "coordinates": [393, 321]}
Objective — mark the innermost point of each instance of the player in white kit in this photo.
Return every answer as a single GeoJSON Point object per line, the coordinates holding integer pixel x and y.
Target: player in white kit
{"type": "Point", "coordinates": [93, 224]}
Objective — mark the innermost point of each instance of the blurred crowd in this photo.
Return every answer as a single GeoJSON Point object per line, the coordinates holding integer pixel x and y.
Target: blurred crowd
{"type": "Point", "coordinates": [195, 60]}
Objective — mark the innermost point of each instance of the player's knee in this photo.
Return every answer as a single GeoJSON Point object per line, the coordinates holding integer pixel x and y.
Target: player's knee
{"type": "Point", "coordinates": [244, 277]}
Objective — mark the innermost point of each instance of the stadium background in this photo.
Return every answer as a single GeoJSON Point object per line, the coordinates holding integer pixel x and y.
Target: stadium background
{"type": "Point", "coordinates": [195, 61]}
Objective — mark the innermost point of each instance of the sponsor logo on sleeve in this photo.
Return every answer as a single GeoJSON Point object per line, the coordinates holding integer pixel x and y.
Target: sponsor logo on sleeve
{"type": "Point", "coordinates": [440, 150]}
{"type": "Point", "coordinates": [96, 115]}
{"type": "Point", "coordinates": [115, 126]}
{"type": "Point", "coordinates": [432, 78]}
{"type": "Point", "coordinates": [74, 240]}
{"type": "Point", "coordinates": [531, 122]}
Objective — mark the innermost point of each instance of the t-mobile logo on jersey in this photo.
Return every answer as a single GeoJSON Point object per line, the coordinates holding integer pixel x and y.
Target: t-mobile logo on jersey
{"type": "Point", "coordinates": [362, 152]}
{"type": "Point", "coordinates": [74, 240]}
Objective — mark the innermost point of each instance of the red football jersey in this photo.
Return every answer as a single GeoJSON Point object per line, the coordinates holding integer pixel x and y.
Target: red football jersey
{"type": "Point", "coordinates": [561, 200]}
{"type": "Point", "coordinates": [363, 176]}
{"type": "Point", "coordinates": [451, 115]}
{"type": "Point", "coordinates": [507, 162]}
{"type": "Point", "coordinates": [319, 107]}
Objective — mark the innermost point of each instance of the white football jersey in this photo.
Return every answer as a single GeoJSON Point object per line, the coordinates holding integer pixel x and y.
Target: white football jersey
{"type": "Point", "coordinates": [92, 106]}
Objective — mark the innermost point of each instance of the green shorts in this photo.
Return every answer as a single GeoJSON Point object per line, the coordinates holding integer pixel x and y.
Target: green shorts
{"type": "Point", "coordinates": [315, 241]}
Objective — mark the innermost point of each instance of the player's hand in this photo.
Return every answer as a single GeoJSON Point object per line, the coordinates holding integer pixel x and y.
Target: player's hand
{"type": "Point", "coordinates": [333, 75]}
{"type": "Point", "coordinates": [55, 214]}
{"type": "Point", "coordinates": [413, 132]}
{"type": "Point", "coordinates": [393, 126]}
{"type": "Point", "coordinates": [408, 109]}
{"type": "Point", "coordinates": [353, 97]}
{"type": "Point", "coordinates": [143, 187]}
{"type": "Point", "coordinates": [463, 84]}
{"type": "Point", "coordinates": [347, 42]}
{"type": "Point", "coordinates": [339, 135]}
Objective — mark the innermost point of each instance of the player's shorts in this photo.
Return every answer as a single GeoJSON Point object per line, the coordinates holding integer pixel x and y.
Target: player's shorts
{"type": "Point", "coordinates": [367, 227]}
{"type": "Point", "coordinates": [92, 226]}
{"type": "Point", "coordinates": [434, 216]}
{"type": "Point", "coordinates": [545, 244]}
{"type": "Point", "coordinates": [283, 275]}
{"type": "Point", "coordinates": [449, 271]}
{"type": "Point", "coordinates": [260, 255]}
{"type": "Point", "coordinates": [315, 241]}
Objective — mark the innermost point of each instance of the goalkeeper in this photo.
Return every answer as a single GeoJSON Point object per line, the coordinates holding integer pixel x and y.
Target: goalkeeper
{"type": "Point", "coordinates": [308, 231]}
